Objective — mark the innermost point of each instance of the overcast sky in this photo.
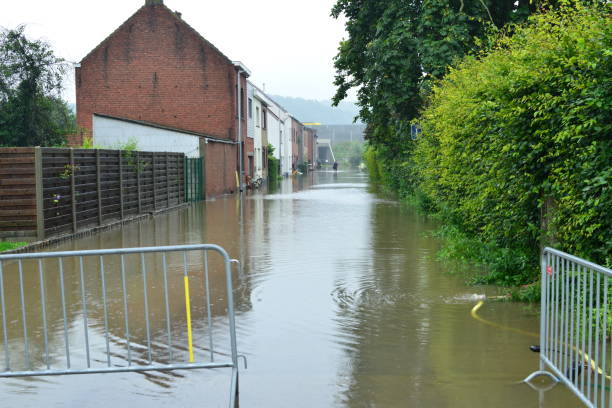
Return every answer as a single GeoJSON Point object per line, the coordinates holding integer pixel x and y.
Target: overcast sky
{"type": "Point", "coordinates": [287, 44]}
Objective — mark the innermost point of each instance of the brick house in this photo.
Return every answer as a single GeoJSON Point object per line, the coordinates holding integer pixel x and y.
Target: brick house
{"type": "Point", "coordinates": [310, 145]}
{"type": "Point", "coordinates": [157, 69]}
{"type": "Point", "coordinates": [297, 130]}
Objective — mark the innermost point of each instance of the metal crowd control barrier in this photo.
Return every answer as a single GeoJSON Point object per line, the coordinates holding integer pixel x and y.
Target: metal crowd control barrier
{"type": "Point", "coordinates": [575, 326]}
{"type": "Point", "coordinates": [117, 310]}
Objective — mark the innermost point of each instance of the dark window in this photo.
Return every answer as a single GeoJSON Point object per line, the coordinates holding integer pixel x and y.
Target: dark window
{"type": "Point", "coordinates": [250, 108]}
{"type": "Point", "coordinates": [264, 119]}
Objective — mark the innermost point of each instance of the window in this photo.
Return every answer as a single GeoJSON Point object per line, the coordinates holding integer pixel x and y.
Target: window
{"type": "Point", "coordinates": [243, 103]}
{"type": "Point", "coordinates": [257, 116]}
{"type": "Point", "coordinates": [250, 108]}
{"type": "Point", "coordinates": [264, 119]}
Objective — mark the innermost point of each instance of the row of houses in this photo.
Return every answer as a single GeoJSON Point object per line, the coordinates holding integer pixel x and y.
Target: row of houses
{"type": "Point", "coordinates": [157, 82]}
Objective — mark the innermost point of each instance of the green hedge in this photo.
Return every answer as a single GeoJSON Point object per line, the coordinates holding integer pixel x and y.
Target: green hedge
{"type": "Point", "coordinates": [516, 145]}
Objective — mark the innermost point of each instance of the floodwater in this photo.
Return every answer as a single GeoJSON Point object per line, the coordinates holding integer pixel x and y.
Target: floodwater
{"type": "Point", "coordinates": [341, 304]}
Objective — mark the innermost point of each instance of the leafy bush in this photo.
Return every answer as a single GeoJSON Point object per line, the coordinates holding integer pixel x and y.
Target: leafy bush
{"type": "Point", "coordinates": [7, 246]}
{"type": "Point", "coordinates": [273, 165]}
{"type": "Point", "coordinates": [516, 145]}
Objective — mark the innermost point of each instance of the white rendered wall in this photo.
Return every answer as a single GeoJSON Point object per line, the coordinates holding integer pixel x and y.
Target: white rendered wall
{"type": "Point", "coordinates": [251, 119]}
{"type": "Point", "coordinates": [274, 129]}
{"type": "Point", "coordinates": [287, 148]}
{"type": "Point", "coordinates": [257, 138]}
{"type": "Point", "coordinates": [112, 133]}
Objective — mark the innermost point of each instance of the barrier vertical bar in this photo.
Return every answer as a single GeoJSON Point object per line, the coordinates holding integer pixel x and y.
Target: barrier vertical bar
{"type": "Point", "coordinates": [7, 360]}
{"type": "Point", "coordinates": [146, 305]}
{"type": "Point", "coordinates": [26, 345]}
{"type": "Point", "coordinates": [596, 339]}
{"type": "Point", "coordinates": [167, 304]}
{"type": "Point", "coordinates": [555, 344]}
{"type": "Point", "coordinates": [543, 306]}
{"type": "Point", "coordinates": [125, 311]}
{"type": "Point", "coordinates": [590, 335]}
{"type": "Point", "coordinates": [105, 308]}
{"type": "Point", "coordinates": [208, 307]}
{"type": "Point", "coordinates": [63, 296]}
{"type": "Point", "coordinates": [85, 317]}
{"type": "Point", "coordinates": [584, 306]}
{"type": "Point", "coordinates": [566, 353]}
{"type": "Point", "coordinates": [43, 303]}
{"type": "Point", "coordinates": [549, 279]}
{"type": "Point", "coordinates": [603, 338]}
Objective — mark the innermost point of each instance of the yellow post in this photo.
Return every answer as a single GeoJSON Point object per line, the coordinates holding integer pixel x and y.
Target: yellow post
{"type": "Point", "coordinates": [188, 309]}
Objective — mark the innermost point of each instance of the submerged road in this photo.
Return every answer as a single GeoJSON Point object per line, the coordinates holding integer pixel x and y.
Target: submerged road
{"type": "Point", "coordinates": [342, 304]}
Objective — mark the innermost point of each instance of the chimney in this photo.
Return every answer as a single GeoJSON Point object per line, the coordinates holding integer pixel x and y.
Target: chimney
{"type": "Point", "coordinates": [179, 14]}
{"type": "Point", "coordinates": [153, 2]}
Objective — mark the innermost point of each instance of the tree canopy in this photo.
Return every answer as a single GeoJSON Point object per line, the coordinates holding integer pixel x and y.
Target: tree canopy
{"type": "Point", "coordinates": [31, 110]}
{"type": "Point", "coordinates": [395, 48]}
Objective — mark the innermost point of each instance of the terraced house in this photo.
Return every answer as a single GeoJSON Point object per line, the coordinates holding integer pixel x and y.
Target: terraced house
{"type": "Point", "coordinates": [157, 81]}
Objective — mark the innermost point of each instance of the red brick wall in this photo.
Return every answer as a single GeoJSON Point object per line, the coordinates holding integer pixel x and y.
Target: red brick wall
{"type": "Point", "coordinates": [221, 166]}
{"type": "Point", "coordinates": [156, 68]}
{"type": "Point", "coordinates": [308, 144]}
{"type": "Point", "coordinates": [296, 128]}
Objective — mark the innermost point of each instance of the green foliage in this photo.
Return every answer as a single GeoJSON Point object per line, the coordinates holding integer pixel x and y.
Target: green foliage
{"type": "Point", "coordinates": [396, 48]}
{"type": "Point", "coordinates": [516, 145]}
{"type": "Point", "coordinates": [273, 165]}
{"type": "Point", "coordinates": [7, 246]}
{"type": "Point", "coordinates": [515, 151]}
{"type": "Point", "coordinates": [31, 112]}
{"type": "Point", "coordinates": [348, 153]}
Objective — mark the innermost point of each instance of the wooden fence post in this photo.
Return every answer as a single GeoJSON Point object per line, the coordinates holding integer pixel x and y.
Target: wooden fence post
{"type": "Point", "coordinates": [73, 191]}
{"type": "Point", "coordinates": [167, 182]}
{"type": "Point", "coordinates": [99, 186]}
{"type": "Point", "coordinates": [138, 181]}
{"type": "Point", "coordinates": [40, 200]}
{"type": "Point", "coordinates": [154, 178]}
{"type": "Point", "coordinates": [121, 181]}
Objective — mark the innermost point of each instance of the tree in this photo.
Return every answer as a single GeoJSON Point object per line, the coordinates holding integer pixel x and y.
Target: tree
{"type": "Point", "coordinates": [31, 111]}
{"type": "Point", "coordinates": [397, 48]}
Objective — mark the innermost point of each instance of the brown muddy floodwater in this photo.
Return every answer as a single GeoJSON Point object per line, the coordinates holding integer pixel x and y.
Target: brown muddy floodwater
{"type": "Point", "coordinates": [341, 304]}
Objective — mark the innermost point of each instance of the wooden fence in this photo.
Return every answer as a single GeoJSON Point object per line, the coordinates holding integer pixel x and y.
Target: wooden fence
{"type": "Point", "coordinates": [17, 192]}
{"type": "Point", "coordinates": [60, 191]}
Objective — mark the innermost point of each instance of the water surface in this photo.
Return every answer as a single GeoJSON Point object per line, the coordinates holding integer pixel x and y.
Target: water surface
{"type": "Point", "coordinates": [342, 304]}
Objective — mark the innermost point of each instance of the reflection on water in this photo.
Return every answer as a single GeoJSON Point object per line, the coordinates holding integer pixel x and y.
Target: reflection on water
{"type": "Point", "coordinates": [340, 305]}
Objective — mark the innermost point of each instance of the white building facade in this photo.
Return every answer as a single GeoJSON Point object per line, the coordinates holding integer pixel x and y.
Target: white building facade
{"type": "Point", "coordinates": [115, 133]}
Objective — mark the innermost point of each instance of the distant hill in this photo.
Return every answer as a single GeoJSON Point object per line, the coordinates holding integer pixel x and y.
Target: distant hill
{"type": "Point", "coordinates": [310, 110]}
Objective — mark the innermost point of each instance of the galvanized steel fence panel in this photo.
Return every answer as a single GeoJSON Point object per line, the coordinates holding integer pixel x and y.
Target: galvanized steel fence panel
{"type": "Point", "coordinates": [575, 326]}
{"type": "Point", "coordinates": [118, 310]}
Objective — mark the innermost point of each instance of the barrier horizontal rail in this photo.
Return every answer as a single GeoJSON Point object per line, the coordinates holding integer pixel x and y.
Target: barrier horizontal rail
{"type": "Point", "coordinates": [117, 310]}
{"type": "Point", "coordinates": [575, 325]}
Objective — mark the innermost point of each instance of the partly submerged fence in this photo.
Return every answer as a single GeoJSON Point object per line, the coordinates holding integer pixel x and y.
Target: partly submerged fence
{"type": "Point", "coordinates": [46, 192]}
{"type": "Point", "coordinates": [118, 310]}
{"type": "Point", "coordinates": [575, 326]}
{"type": "Point", "coordinates": [194, 175]}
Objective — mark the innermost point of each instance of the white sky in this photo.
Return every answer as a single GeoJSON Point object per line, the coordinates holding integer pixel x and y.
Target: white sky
{"type": "Point", "coordinates": [287, 44]}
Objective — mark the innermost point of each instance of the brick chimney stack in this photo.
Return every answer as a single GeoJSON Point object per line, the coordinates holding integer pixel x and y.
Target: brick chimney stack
{"type": "Point", "coordinates": [153, 2]}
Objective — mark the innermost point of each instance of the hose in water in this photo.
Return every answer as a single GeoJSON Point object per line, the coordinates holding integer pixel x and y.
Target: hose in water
{"type": "Point", "coordinates": [585, 356]}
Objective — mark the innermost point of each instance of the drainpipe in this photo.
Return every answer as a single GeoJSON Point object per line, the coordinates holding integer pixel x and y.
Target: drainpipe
{"type": "Point", "coordinates": [239, 106]}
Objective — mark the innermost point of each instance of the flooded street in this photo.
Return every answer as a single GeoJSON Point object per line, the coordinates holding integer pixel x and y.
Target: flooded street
{"type": "Point", "coordinates": [341, 304]}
